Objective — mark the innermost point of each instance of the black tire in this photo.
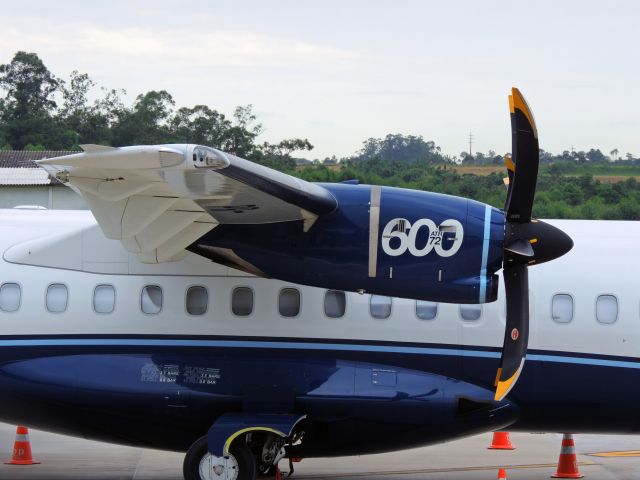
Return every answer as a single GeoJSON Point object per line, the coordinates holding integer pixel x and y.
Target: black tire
{"type": "Point", "coordinates": [247, 469]}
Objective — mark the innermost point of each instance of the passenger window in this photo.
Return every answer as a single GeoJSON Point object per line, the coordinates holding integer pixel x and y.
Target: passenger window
{"type": "Point", "coordinates": [470, 312]}
{"type": "Point", "coordinates": [335, 303]}
{"type": "Point", "coordinates": [10, 296]}
{"type": "Point", "coordinates": [242, 301]}
{"type": "Point", "coordinates": [104, 299]}
{"type": "Point", "coordinates": [57, 297]}
{"type": "Point", "coordinates": [426, 310]}
{"type": "Point", "coordinates": [380, 306]}
{"type": "Point", "coordinates": [151, 299]}
{"type": "Point", "coordinates": [562, 308]}
{"type": "Point", "coordinates": [289, 302]}
{"type": "Point", "coordinates": [607, 309]}
{"type": "Point", "coordinates": [197, 300]}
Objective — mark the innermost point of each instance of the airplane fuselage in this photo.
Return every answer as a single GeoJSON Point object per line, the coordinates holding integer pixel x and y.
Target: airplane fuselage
{"type": "Point", "coordinates": [370, 374]}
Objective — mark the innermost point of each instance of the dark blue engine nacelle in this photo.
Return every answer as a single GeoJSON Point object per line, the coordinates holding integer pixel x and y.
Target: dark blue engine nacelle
{"type": "Point", "coordinates": [382, 240]}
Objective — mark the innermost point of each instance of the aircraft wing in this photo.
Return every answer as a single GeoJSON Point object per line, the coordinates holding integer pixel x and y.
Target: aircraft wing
{"type": "Point", "coordinates": [159, 199]}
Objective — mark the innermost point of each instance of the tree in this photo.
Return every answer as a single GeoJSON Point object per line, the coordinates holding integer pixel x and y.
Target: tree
{"type": "Point", "coordinates": [466, 159]}
{"type": "Point", "coordinates": [28, 104]}
{"type": "Point", "coordinates": [201, 125]}
{"type": "Point", "coordinates": [278, 156]}
{"type": "Point", "coordinates": [147, 122]}
{"type": "Point", "coordinates": [400, 148]}
{"type": "Point", "coordinates": [81, 121]}
{"type": "Point", "coordinates": [240, 138]}
{"type": "Point", "coordinates": [595, 155]}
{"type": "Point", "coordinates": [614, 154]}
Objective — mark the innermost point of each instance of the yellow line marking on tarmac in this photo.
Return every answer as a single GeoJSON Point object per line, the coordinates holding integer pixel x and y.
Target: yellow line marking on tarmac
{"type": "Point", "coordinates": [625, 453]}
{"type": "Point", "coordinates": [439, 470]}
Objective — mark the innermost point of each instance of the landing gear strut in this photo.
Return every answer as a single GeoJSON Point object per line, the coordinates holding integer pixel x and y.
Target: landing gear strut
{"type": "Point", "coordinates": [239, 464]}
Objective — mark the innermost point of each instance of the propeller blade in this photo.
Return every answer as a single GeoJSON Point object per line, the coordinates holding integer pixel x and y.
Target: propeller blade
{"type": "Point", "coordinates": [526, 241]}
{"type": "Point", "coordinates": [524, 137]}
{"type": "Point", "coordinates": [516, 335]}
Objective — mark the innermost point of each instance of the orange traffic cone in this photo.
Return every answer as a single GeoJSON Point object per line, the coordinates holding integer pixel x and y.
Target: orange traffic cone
{"type": "Point", "coordinates": [501, 441]}
{"type": "Point", "coordinates": [502, 474]}
{"type": "Point", "coordinates": [568, 462]}
{"type": "Point", "coordinates": [22, 449]}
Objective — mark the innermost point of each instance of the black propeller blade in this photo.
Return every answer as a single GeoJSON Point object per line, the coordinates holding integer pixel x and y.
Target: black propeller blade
{"type": "Point", "coordinates": [526, 242]}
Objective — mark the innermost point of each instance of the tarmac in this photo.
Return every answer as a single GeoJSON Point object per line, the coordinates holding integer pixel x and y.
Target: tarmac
{"type": "Point", "coordinates": [535, 457]}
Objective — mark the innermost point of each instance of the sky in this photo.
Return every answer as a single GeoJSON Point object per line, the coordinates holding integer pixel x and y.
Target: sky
{"type": "Point", "coordinates": [339, 72]}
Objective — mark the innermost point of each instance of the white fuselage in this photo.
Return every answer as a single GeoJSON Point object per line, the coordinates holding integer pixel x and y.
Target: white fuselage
{"type": "Point", "coordinates": [41, 248]}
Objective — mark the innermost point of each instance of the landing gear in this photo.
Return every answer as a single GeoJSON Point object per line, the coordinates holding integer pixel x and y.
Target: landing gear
{"type": "Point", "coordinates": [199, 464]}
{"type": "Point", "coordinates": [243, 445]}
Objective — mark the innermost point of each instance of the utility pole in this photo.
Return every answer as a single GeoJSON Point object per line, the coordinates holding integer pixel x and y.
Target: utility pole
{"type": "Point", "coordinates": [470, 143]}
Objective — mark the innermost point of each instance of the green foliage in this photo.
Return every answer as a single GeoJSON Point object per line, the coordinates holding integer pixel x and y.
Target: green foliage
{"type": "Point", "coordinates": [34, 148]}
{"type": "Point", "coordinates": [28, 104]}
{"type": "Point", "coordinates": [556, 196]}
{"type": "Point", "coordinates": [201, 125]}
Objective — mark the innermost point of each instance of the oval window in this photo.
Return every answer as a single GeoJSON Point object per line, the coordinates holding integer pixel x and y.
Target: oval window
{"type": "Point", "coordinates": [607, 309]}
{"type": "Point", "coordinates": [197, 300]}
{"type": "Point", "coordinates": [10, 296]}
{"type": "Point", "coordinates": [426, 310]}
{"type": "Point", "coordinates": [380, 306]}
{"type": "Point", "coordinates": [104, 299]}
{"type": "Point", "coordinates": [57, 297]}
{"type": "Point", "coordinates": [562, 308]}
{"type": "Point", "coordinates": [470, 312]}
{"type": "Point", "coordinates": [242, 301]}
{"type": "Point", "coordinates": [289, 302]}
{"type": "Point", "coordinates": [335, 303]}
{"type": "Point", "coordinates": [151, 299]}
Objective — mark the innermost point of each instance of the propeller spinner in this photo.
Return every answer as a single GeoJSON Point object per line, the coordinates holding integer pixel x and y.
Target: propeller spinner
{"type": "Point", "coordinates": [526, 242]}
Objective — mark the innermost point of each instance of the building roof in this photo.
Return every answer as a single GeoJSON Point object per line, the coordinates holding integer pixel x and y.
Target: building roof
{"type": "Point", "coordinates": [24, 176]}
{"type": "Point", "coordinates": [19, 167]}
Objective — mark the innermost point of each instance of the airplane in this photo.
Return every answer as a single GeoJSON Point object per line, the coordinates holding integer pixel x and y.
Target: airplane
{"type": "Point", "coordinates": [211, 305]}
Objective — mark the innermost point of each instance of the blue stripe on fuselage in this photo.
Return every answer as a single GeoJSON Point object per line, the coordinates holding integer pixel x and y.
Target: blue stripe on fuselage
{"type": "Point", "coordinates": [298, 345]}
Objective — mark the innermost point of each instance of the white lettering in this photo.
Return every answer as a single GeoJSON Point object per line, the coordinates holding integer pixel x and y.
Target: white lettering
{"type": "Point", "coordinates": [407, 236]}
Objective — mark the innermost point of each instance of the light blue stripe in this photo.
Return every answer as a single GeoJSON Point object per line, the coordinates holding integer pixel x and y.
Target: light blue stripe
{"type": "Point", "coordinates": [152, 342]}
{"type": "Point", "coordinates": [584, 361]}
{"type": "Point", "coordinates": [144, 342]}
{"type": "Point", "coordinates": [485, 254]}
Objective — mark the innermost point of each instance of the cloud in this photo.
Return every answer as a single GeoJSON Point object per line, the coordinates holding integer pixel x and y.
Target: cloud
{"type": "Point", "coordinates": [196, 47]}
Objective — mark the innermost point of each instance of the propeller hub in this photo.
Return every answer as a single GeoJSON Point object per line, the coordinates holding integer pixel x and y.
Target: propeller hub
{"type": "Point", "coordinates": [535, 242]}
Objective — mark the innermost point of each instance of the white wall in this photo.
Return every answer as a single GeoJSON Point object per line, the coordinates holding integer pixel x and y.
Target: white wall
{"type": "Point", "coordinates": [51, 197]}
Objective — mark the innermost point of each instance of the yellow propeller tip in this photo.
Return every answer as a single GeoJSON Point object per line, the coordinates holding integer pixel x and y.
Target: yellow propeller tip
{"type": "Point", "coordinates": [504, 386]}
{"type": "Point", "coordinates": [519, 103]}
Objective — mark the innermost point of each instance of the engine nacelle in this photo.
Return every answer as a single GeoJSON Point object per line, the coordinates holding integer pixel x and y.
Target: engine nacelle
{"type": "Point", "coordinates": [380, 240]}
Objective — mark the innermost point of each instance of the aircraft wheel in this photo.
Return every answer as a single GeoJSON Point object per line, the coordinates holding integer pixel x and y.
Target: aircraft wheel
{"type": "Point", "coordinates": [199, 464]}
